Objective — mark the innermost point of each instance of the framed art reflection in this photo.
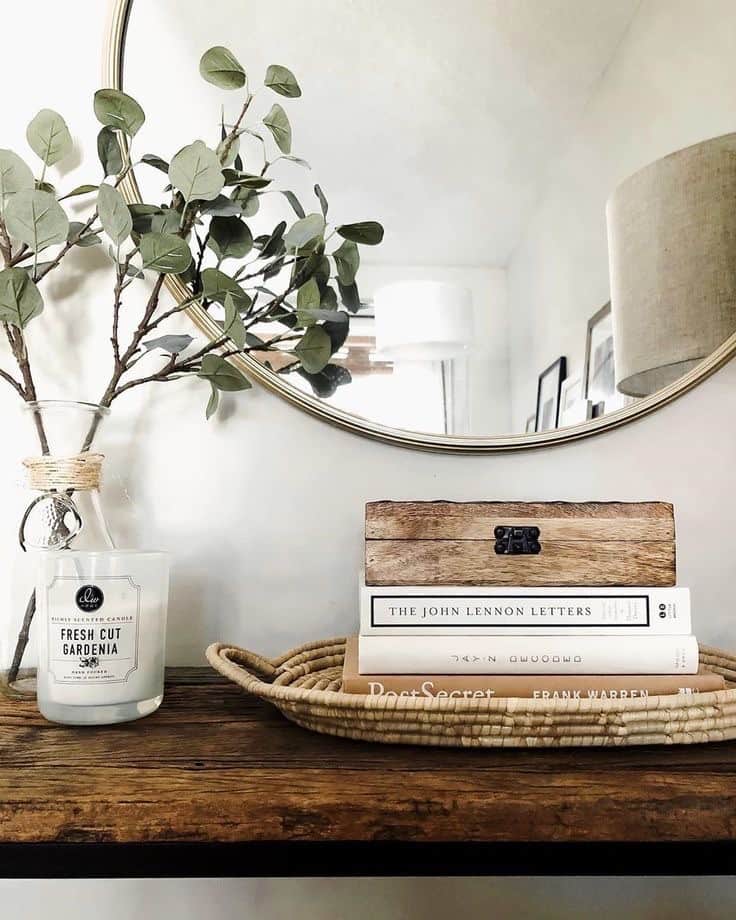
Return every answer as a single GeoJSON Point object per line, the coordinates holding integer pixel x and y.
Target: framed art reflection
{"type": "Point", "coordinates": [548, 395]}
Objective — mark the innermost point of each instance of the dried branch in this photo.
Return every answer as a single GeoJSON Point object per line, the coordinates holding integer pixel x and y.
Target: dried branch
{"type": "Point", "coordinates": [13, 382]}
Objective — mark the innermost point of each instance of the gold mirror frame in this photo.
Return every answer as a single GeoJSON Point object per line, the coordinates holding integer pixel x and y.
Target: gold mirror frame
{"type": "Point", "coordinates": [114, 59]}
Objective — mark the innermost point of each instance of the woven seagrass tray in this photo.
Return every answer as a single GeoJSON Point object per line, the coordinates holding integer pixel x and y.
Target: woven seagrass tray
{"type": "Point", "coordinates": [304, 684]}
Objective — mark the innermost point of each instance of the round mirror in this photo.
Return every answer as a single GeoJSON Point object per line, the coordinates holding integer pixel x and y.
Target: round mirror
{"type": "Point", "coordinates": [559, 253]}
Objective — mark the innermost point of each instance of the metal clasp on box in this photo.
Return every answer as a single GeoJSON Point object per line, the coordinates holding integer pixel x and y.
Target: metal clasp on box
{"type": "Point", "coordinates": [517, 541]}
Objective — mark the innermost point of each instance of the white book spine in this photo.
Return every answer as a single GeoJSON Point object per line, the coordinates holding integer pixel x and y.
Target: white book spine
{"type": "Point", "coordinates": [528, 655]}
{"type": "Point", "coordinates": [453, 611]}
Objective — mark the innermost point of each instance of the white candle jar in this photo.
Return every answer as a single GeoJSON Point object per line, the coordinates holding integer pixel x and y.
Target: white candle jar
{"type": "Point", "coordinates": [101, 635]}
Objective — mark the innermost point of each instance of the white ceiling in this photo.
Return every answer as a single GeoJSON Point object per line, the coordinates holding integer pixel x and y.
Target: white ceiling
{"type": "Point", "coordinates": [438, 119]}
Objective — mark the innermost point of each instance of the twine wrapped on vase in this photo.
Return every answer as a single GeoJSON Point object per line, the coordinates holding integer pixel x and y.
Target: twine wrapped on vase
{"type": "Point", "coordinates": [52, 520]}
{"type": "Point", "coordinates": [80, 473]}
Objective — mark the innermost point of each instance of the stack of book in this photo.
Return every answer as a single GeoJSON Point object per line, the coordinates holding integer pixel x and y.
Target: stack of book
{"type": "Point", "coordinates": [544, 643]}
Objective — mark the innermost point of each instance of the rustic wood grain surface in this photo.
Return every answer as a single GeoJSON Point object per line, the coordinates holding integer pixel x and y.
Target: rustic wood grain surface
{"type": "Point", "coordinates": [453, 543]}
{"type": "Point", "coordinates": [560, 564]}
{"type": "Point", "coordinates": [216, 766]}
{"type": "Point", "coordinates": [442, 520]}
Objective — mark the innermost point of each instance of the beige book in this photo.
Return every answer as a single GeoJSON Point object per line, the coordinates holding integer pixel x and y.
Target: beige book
{"type": "Point", "coordinates": [541, 686]}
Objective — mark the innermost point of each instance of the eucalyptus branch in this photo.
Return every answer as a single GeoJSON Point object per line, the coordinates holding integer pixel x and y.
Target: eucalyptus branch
{"type": "Point", "coordinates": [174, 366]}
{"type": "Point", "coordinates": [122, 269]}
{"type": "Point", "coordinates": [200, 259]}
{"type": "Point", "coordinates": [167, 314]}
{"type": "Point", "coordinates": [197, 174]}
{"type": "Point", "coordinates": [264, 268]}
{"type": "Point", "coordinates": [233, 133]}
{"type": "Point", "coordinates": [70, 243]}
{"type": "Point", "coordinates": [13, 382]}
{"type": "Point", "coordinates": [5, 245]}
{"type": "Point", "coordinates": [22, 254]}
{"type": "Point", "coordinates": [18, 347]}
{"type": "Point", "coordinates": [121, 364]}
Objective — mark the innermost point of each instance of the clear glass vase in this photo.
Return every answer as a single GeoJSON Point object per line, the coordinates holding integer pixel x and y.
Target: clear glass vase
{"type": "Point", "coordinates": [48, 520]}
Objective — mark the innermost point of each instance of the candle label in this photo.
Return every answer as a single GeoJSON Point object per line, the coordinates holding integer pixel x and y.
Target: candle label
{"type": "Point", "coordinates": [92, 629]}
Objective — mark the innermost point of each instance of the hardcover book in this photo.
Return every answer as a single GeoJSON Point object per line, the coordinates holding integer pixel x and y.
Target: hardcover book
{"type": "Point", "coordinates": [480, 686]}
{"type": "Point", "coordinates": [458, 610]}
{"type": "Point", "coordinates": [509, 654]}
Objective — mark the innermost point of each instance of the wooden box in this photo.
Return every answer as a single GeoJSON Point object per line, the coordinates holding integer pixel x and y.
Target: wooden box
{"type": "Point", "coordinates": [542, 543]}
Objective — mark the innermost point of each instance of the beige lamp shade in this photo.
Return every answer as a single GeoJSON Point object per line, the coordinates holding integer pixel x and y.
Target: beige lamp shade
{"type": "Point", "coordinates": [672, 252]}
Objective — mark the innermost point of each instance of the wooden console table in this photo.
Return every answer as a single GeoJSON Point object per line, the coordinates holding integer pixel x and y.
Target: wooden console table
{"type": "Point", "coordinates": [217, 784]}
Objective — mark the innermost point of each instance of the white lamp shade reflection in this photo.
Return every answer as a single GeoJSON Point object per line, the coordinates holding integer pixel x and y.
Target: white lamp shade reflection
{"type": "Point", "coordinates": [423, 321]}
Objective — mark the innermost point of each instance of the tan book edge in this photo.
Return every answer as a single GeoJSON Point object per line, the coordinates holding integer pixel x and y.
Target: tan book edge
{"type": "Point", "coordinates": [543, 686]}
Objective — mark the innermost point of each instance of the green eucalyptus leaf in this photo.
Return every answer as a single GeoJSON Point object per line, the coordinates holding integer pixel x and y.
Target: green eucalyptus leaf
{"type": "Point", "coordinates": [88, 239]}
{"type": "Point", "coordinates": [325, 383]}
{"type": "Point", "coordinates": [150, 159]}
{"type": "Point", "coordinates": [368, 232]}
{"type": "Point", "coordinates": [222, 374]}
{"type": "Point", "coordinates": [166, 222]}
{"type": "Point", "coordinates": [248, 201]}
{"type": "Point", "coordinates": [314, 349]}
{"type": "Point", "coordinates": [347, 262]}
{"type": "Point", "coordinates": [229, 238]}
{"type": "Point", "coordinates": [308, 296]}
{"type": "Point", "coordinates": [273, 245]}
{"type": "Point", "coordinates": [189, 275]}
{"type": "Point", "coordinates": [278, 124]}
{"type": "Point", "coordinates": [196, 172]}
{"type": "Point", "coordinates": [233, 325]}
{"type": "Point", "coordinates": [337, 327]}
{"type": "Point", "coordinates": [173, 344]}
{"type": "Point", "coordinates": [117, 109]}
{"type": "Point", "coordinates": [228, 155]}
{"type": "Point", "coordinates": [46, 187]}
{"type": "Point", "coordinates": [164, 252]}
{"type": "Point", "coordinates": [350, 296]}
{"type": "Point", "coordinates": [36, 219]}
{"type": "Point", "coordinates": [251, 182]}
{"type": "Point", "coordinates": [15, 176]}
{"type": "Point", "coordinates": [222, 206]}
{"type": "Point", "coordinates": [295, 204]}
{"type": "Point", "coordinates": [109, 152]}
{"type": "Point", "coordinates": [307, 266]}
{"type": "Point", "coordinates": [322, 200]}
{"type": "Point", "coordinates": [273, 269]}
{"type": "Point", "coordinates": [142, 215]}
{"type": "Point", "coordinates": [114, 214]}
{"type": "Point", "coordinates": [220, 67]}
{"type": "Point", "coordinates": [213, 402]}
{"type": "Point", "coordinates": [329, 299]}
{"type": "Point", "coordinates": [282, 81]}
{"type": "Point", "coordinates": [79, 190]}
{"type": "Point", "coordinates": [254, 341]}
{"type": "Point", "coordinates": [299, 161]}
{"type": "Point", "coordinates": [216, 285]}
{"type": "Point", "coordinates": [49, 137]}
{"type": "Point", "coordinates": [20, 299]}
{"type": "Point", "coordinates": [333, 318]}
{"type": "Point", "coordinates": [305, 231]}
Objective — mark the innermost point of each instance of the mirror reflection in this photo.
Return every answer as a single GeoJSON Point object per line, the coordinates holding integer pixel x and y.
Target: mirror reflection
{"type": "Point", "coordinates": [560, 238]}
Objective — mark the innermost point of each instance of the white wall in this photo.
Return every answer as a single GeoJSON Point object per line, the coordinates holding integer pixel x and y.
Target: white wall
{"type": "Point", "coordinates": [671, 83]}
{"type": "Point", "coordinates": [263, 507]}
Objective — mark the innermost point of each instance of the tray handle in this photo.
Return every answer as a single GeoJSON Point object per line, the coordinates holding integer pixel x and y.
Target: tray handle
{"type": "Point", "coordinates": [240, 665]}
